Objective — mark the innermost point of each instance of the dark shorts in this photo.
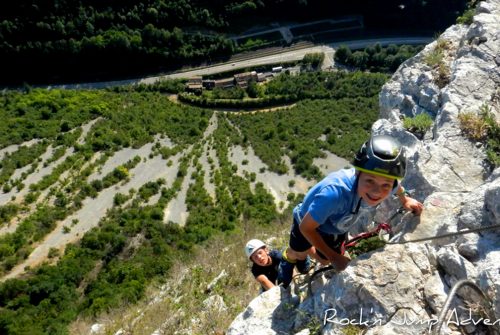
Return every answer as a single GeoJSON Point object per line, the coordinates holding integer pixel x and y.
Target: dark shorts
{"type": "Point", "coordinates": [299, 243]}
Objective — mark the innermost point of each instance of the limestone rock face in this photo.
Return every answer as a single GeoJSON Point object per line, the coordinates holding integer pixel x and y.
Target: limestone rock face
{"type": "Point", "coordinates": [269, 313]}
{"type": "Point", "coordinates": [401, 288]}
{"type": "Point", "coordinates": [378, 288]}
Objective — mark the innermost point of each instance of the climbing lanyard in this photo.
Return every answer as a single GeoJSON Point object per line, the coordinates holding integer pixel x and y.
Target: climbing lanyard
{"type": "Point", "coordinates": [460, 232]}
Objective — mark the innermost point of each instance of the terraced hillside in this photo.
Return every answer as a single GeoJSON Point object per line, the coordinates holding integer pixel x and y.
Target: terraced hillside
{"type": "Point", "coordinates": [102, 191]}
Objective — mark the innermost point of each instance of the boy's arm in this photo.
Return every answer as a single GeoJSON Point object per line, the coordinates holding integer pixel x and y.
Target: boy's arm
{"type": "Point", "coordinates": [409, 203]}
{"type": "Point", "coordinates": [264, 281]}
{"type": "Point", "coordinates": [308, 229]}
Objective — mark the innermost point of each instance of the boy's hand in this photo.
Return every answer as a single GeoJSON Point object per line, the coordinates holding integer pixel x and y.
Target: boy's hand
{"type": "Point", "coordinates": [340, 262]}
{"type": "Point", "coordinates": [415, 206]}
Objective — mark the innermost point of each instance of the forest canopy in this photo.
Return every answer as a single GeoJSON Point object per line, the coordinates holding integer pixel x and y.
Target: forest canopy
{"type": "Point", "coordinates": [61, 40]}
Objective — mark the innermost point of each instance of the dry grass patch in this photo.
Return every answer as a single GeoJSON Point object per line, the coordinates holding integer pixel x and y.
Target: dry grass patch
{"type": "Point", "coordinates": [436, 59]}
{"type": "Point", "coordinates": [482, 127]}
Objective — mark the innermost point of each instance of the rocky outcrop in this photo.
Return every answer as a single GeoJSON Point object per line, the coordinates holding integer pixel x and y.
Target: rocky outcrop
{"type": "Point", "coordinates": [401, 289]}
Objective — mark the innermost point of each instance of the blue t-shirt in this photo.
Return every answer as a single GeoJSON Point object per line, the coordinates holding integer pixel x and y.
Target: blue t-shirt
{"type": "Point", "coordinates": [333, 202]}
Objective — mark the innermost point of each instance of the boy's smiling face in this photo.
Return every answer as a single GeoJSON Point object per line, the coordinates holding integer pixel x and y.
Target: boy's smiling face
{"type": "Point", "coordinates": [261, 257]}
{"type": "Point", "coordinates": [374, 189]}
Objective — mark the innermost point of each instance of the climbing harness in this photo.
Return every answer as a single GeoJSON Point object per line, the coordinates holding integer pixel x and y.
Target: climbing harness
{"type": "Point", "coordinates": [449, 299]}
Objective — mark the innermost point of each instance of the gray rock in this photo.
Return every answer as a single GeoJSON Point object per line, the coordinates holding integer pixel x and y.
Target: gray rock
{"type": "Point", "coordinates": [271, 313]}
{"type": "Point", "coordinates": [455, 265]}
{"type": "Point", "coordinates": [418, 254]}
{"type": "Point", "coordinates": [374, 288]}
{"type": "Point", "coordinates": [468, 246]}
{"type": "Point", "coordinates": [492, 202]}
{"type": "Point", "coordinates": [435, 293]}
{"type": "Point", "coordinates": [489, 281]}
{"type": "Point", "coordinates": [215, 303]}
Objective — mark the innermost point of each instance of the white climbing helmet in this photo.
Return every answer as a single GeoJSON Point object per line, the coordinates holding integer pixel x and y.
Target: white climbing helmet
{"type": "Point", "coordinates": [252, 246]}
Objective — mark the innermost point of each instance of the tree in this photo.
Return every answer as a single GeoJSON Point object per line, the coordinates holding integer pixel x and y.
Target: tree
{"type": "Point", "coordinates": [252, 89]}
{"type": "Point", "coordinates": [314, 59]}
{"type": "Point", "coordinates": [360, 59]}
{"type": "Point", "coordinates": [342, 54]}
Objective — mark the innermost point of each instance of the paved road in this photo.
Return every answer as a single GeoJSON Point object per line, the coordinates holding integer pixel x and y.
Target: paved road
{"type": "Point", "coordinates": [282, 57]}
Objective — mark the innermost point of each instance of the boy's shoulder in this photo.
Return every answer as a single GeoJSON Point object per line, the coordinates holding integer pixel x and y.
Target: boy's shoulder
{"type": "Point", "coordinates": [341, 180]}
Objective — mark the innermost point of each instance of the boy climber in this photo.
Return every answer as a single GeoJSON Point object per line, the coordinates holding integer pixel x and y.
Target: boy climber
{"type": "Point", "coordinates": [330, 208]}
{"type": "Point", "coordinates": [265, 263]}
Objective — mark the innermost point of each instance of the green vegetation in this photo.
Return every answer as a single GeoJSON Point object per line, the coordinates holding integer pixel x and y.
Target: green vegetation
{"type": "Point", "coordinates": [326, 85]}
{"type": "Point", "coordinates": [466, 17]}
{"type": "Point", "coordinates": [127, 119]}
{"type": "Point", "coordinates": [296, 131]}
{"type": "Point", "coordinates": [119, 199]}
{"type": "Point", "coordinates": [105, 269]}
{"type": "Point", "coordinates": [191, 283]}
{"type": "Point", "coordinates": [173, 86]}
{"type": "Point", "coordinates": [436, 59]}
{"type": "Point", "coordinates": [352, 330]}
{"type": "Point", "coordinates": [53, 252]}
{"type": "Point", "coordinates": [286, 89]}
{"type": "Point", "coordinates": [484, 128]}
{"type": "Point", "coordinates": [46, 114]}
{"type": "Point", "coordinates": [251, 44]}
{"type": "Point", "coordinates": [419, 124]}
{"type": "Point", "coordinates": [19, 159]}
{"type": "Point", "coordinates": [208, 102]}
{"type": "Point", "coordinates": [68, 164]}
{"type": "Point", "coordinates": [58, 153]}
{"type": "Point", "coordinates": [118, 174]}
{"type": "Point", "coordinates": [259, 41]}
{"type": "Point", "coordinates": [313, 59]}
{"type": "Point", "coordinates": [344, 109]}
{"type": "Point", "coordinates": [375, 58]}
{"type": "Point", "coordinates": [230, 93]}
{"type": "Point", "coordinates": [366, 245]}
{"type": "Point", "coordinates": [149, 189]}
{"type": "Point", "coordinates": [102, 38]}
{"type": "Point", "coordinates": [8, 211]}
{"type": "Point", "coordinates": [68, 40]}
{"type": "Point", "coordinates": [468, 14]}
{"type": "Point", "coordinates": [17, 246]}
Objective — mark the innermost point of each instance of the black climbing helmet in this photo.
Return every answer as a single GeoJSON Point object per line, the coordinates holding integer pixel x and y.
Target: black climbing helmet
{"type": "Point", "coordinates": [382, 155]}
